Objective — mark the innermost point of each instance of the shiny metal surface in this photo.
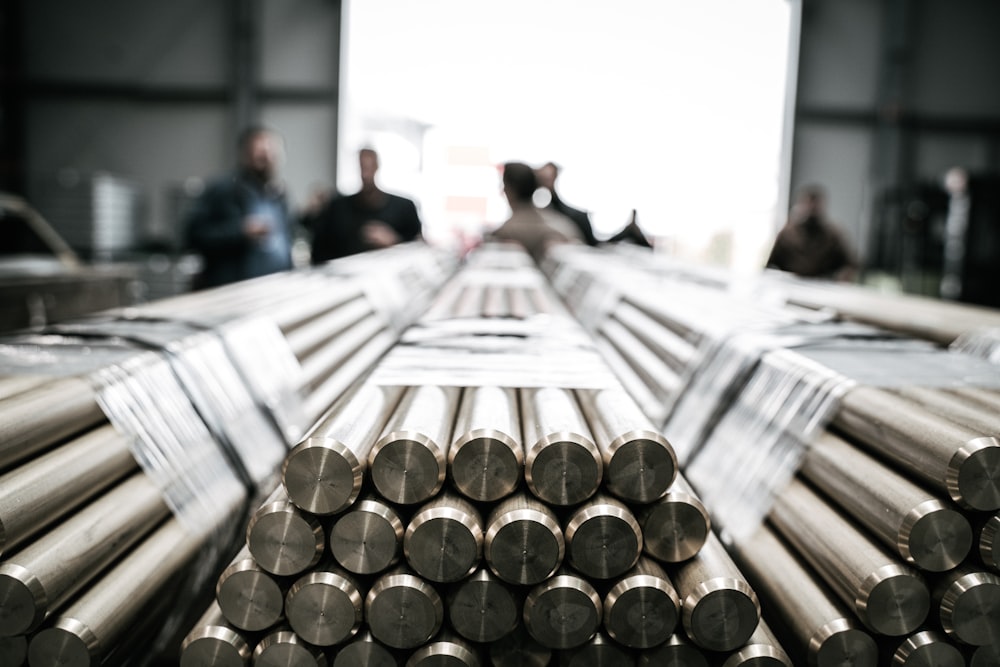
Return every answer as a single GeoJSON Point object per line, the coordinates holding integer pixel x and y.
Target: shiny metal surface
{"type": "Point", "coordinates": [402, 610]}
{"type": "Point", "coordinates": [603, 538]}
{"type": "Point", "coordinates": [323, 472]}
{"type": "Point", "coordinates": [719, 610]}
{"type": "Point", "coordinates": [248, 596]}
{"type": "Point", "coordinates": [889, 597]}
{"type": "Point", "coordinates": [563, 611]}
{"type": "Point", "coordinates": [641, 609]}
{"type": "Point", "coordinates": [674, 527]}
{"type": "Point", "coordinates": [447, 650]}
{"type": "Point", "coordinates": [14, 650]}
{"type": "Point", "coordinates": [919, 527]}
{"type": "Point", "coordinates": [37, 493]}
{"type": "Point", "coordinates": [639, 463]}
{"type": "Point", "coordinates": [762, 650]}
{"type": "Point", "coordinates": [486, 457]}
{"type": "Point", "coordinates": [947, 456]}
{"type": "Point", "coordinates": [443, 541]}
{"type": "Point", "coordinates": [599, 651]}
{"type": "Point", "coordinates": [283, 648]}
{"type": "Point", "coordinates": [518, 649]}
{"type": "Point", "coordinates": [927, 649]}
{"type": "Point", "coordinates": [368, 538]}
{"type": "Point", "coordinates": [989, 542]}
{"type": "Point", "coordinates": [654, 371]}
{"type": "Point", "coordinates": [283, 539]}
{"type": "Point", "coordinates": [211, 642]}
{"type": "Point", "coordinates": [955, 408]}
{"type": "Point", "coordinates": [824, 631]}
{"type": "Point", "coordinates": [365, 650]}
{"type": "Point", "coordinates": [43, 575]}
{"type": "Point", "coordinates": [674, 349]}
{"type": "Point", "coordinates": [325, 607]}
{"type": "Point", "coordinates": [408, 462]}
{"type": "Point", "coordinates": [985, 656]}
{"type": "Point", "coordinates": [562, 465]}
{"type": "Point", "coordinates": [325, 360]}
{"type": "Point", "coordinates": [678, 651]}
{"type": "Point", "coordinates": [967, 602]}
{"type": "Point", "coordinates": [39, 417]}
{"type": "Point", "coordinates": [305, 339]}
{"type": "Point", "coordinates": [321, 396]}
{"type": "Point", "coordinates": [482, 608]}
{"type": "Point", "coordinates": [83, 632]}
{"type": "Point", "coordinates": [523, 543]}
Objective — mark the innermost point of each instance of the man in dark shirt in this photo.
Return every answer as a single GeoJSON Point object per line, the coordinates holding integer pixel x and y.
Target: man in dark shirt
{"type": "Point", "coordinates": [366, 220]}
{"type": "Point", "coordinates": [240, 224]}
{"type": "Point", "coordinates": [547, 175]}
{"type": "Point", "coordinates": [810, 245]}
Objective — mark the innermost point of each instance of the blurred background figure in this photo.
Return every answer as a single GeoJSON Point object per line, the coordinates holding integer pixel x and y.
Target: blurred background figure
{"type": "Point", "coordinates": [240, 224]}
{"type": "Point", "coordinates": [810, 245]}
{"type": "Point", "coordinates": [632, 233]}
{"type": "Point", "coordinates": [366, 220]}
{"type": "Point", "coordinates": [547, 175]}
{"type": "Point", "coordinates": [971, 238]}
{"type": "Point", "coordinates": [534, 228]}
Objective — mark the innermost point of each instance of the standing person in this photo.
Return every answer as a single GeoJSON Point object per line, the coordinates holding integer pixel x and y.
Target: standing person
{"type": "Point", "coordinates": [366, 220]}
{"type": "Point", "coordinates": [534, 228]}
{"type": "Point", "coordinates": [547, 175]}
{"type": "Point", "coordinates": [810, 245]}
{"type": "Point", "coordinates": [240, 224]}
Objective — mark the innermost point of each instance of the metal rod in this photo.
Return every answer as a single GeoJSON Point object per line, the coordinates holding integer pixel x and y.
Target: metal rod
{"type": "Point", "coordinates": [14, 650]}
{"type": "Point", "coordinates": [325, 607]}
{"type": "Point", "coordinates": [678, 651]}
{"type": "Point", "coordinates": [519, 649]}
{"type": "Point", "coordinates": [284, 648]}
{"type": "Point", "coordinates": [521, 306]}
{"type": "Point", "coordinates": [403, 611]}
{"type": "Point", "coordinates": [641, 609]}
{"type": "Point", "coordinates": [947, 456]}
{"type": "Point", "coordinates": [83, 632]}
{"type": "Point", "coordinates": [598, 650]}
{"type": "Point", "coordinates": [249, 597]}
{"type": "Point", "coordinates": [661, 378]}
{"type": "Point", "coordinates": [562, 465]}
{"type": "Point", "coordinates": [925, 648]}
{"type": "Point", "coordinates": [641, 393]}
{"type": "Point", "coordinates": [15, 384]}
{"type": "Point", "coordinates": [324, 471]}
{"type": "Point", "coordinates": [444, 538]}
{"type": "Point", "coordinates": [482, 608]}
{"type": "Point", "coordinates": [523, 544]}
{"type": "Point", "coordinates": [318, 366]}
{"type": "Point", "coordinates": [967, 603]}
{"type": "Point", "coordinates": [639, 463]}
{"type": "Point", "coordinates": [675, 527]}
{"type": "Point", "coordinates": [213, 642]}
{"type": "Point", "coordinates": [985, 656]}
{"type": "Point", "coordinates": [955, 408]}
{"type": "Point", "coordinates": [563, 611]}
{"type": "Point", "coordinates": [981, 396]}
{"type": "Point", "coordinates": [326, 392]}
{"type": "Point", "coordinates": [305, 340]}
{"type": "Point", "coordinates": [37, 418]}
{"type": "Point", "coordinates": [37, 493]}
{"type": "Point", "coordinates": [446, 649]}
{"type": "Point", "coordinates": [408, 463]}
{"type": "Point", "coordinates": [674, 350]}
{"type": "Point", "coordinates": [487, 455]}
{"type": "Point", "coordinates": [923, 530]}
{"type": "Point", "coordinates": [368, 538]}
{"type": "Point", "coordinates": [603, 538]}
{"type": "Point", "coordinates": [283, 539]}
{"type": "Point", "coordinates": [365, 650]}
{"type": "Point", "coordinates": [762, 650]}
{"type": "Point", "coordinates": [495, 302]}
{"type": "Point", "coordinates": [719, 609]}
{"type": "Point", "coordinates": [823, 630]}
{"type": "Point", "coordinates": [887, 595]}
{"type": "Point", "coordinates": [469, 303]}
{"type": "Point", "coordinates": [39, 578]}
{"type": "Point", "coordinates": [989, 542]}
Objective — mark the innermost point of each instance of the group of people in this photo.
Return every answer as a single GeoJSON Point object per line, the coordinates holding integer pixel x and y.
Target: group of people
{"type": "Point", "coordinates": [243, 227]}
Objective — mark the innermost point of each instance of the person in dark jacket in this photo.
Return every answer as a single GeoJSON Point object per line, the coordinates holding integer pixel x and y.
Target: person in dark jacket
{"type": "Point", "coordinates": [366, 220]}
{"type": "Point", "coordinates": [547, 175]}
{"type": "Point", "coordinates": [240, 224]}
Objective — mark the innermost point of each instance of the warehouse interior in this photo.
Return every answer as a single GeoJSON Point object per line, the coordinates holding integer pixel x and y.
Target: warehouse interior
{"type": "Point", "coordinates": [655, 448]}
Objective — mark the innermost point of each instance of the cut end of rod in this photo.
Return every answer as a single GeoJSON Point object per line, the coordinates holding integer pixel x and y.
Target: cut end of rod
{"type": "Point", "coordinates": [641, 612]}
{"type": "Point", "coordinates": [970, 609]}
{"type": "Point", "coordinates": [526, 549]}
{"type": "Point", "coordinates": [926, 649]}
{"type": "Point", "coordinates": [23, 602]}
{"type": "Point", "coordinates": [839, 643]}
{"type": "Point", "coordinates": [364, 652]}
{"type": "Point", "coordinates": [249, 599]}
{"type": "Point", "coordinates": [974, 475]}
{"type": "Point", "coordinates": [566, 470]}
{"type": "Point", "coordinates": [408, 468]}
{"type": "Point", "coordinates": [722, 619]}
{"type": "Point", "coordinates": [322, 477]}
{"type": "Point", "coordinates": [215, 646]}
{"type": "Point", "coordinates": [934, 537]}
{"type": "Point", "coordinates": [486, 467]}
{"type": "Point", "coordinates": [893, 601]}
{"type": "Point", "coordinates": [676, 528]}
{"type": "Point", "coordinates": [69, 643]}
{"type": "Point", "coordinates": [368, 540]}
{"type": "Point", "coordinates": [758, 655]}
{"type": "Point", "coordinates": [642, 468]}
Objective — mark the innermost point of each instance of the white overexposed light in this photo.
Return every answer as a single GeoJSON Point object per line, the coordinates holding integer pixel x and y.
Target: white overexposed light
{"type": "Point", "coordinates": [671, 108]}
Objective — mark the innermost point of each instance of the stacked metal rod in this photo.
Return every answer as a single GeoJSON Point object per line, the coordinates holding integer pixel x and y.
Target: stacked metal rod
{"type": "Point", "coordinates": [889, 524]}
{"type": "Point", "coordinates": [73, 501]}
{"type": "Point", "coordinates": [512, 525]}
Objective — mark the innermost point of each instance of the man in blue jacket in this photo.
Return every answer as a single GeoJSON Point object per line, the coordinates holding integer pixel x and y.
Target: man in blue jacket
{"type": "Point", "coordinates": [240, 224]}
